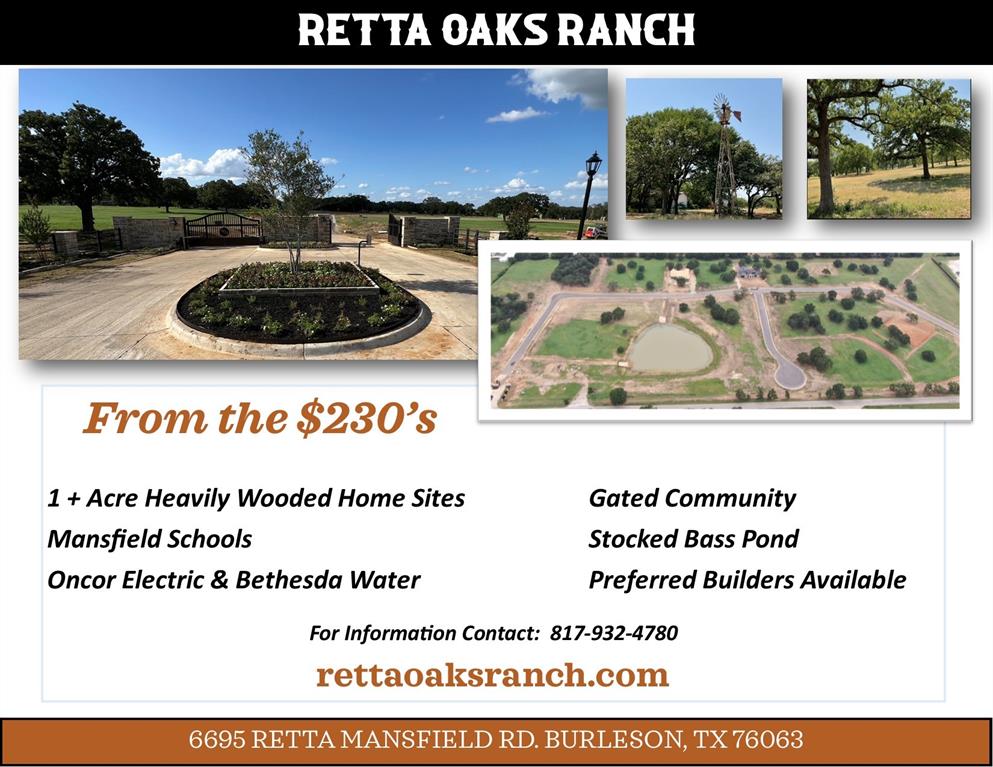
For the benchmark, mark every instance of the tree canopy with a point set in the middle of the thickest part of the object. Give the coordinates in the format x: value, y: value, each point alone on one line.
x: 81, y: 155
x: 672, y: 153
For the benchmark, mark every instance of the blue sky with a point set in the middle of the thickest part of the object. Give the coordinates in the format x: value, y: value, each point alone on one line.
x: 467, y: 135
x: 963, y: 89
x: 760, y: 102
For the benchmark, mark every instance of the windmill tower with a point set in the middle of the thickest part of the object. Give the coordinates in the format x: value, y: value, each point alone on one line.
x: 725, y: 202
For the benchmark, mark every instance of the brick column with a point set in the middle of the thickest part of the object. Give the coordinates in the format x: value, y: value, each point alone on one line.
x: 408, y: 230
x: 66, y: 243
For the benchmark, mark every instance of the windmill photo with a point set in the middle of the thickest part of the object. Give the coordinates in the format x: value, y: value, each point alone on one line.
x: 725, y: 190
x: 685, y: 162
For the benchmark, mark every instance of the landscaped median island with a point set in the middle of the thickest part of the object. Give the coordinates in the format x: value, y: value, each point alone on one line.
x: 714, y: 329
x: 322, y: 301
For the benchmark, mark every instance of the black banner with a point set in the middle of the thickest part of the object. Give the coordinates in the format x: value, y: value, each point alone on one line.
x: 677, y: 33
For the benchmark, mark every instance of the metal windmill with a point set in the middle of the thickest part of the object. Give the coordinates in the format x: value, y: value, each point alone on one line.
x: 725, y: 191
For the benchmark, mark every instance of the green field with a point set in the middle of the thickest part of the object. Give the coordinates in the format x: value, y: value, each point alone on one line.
x: 944, y: 367
x: 654, y: 272
x: 69, y: 217
x: 497, y: 268
x: 898, y: 270
x: 899, y: 193
x: 705, y: 387
x: 499, y: 340
x: 862, y: 308
x: 937, y: 293
x: 361, y: 223
x: 585, y: 340
x: 877, y: 370
x: 523, y: 277
x: 558, y: 395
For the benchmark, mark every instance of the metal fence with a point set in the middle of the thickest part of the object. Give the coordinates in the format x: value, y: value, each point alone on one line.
x: 98, y: 242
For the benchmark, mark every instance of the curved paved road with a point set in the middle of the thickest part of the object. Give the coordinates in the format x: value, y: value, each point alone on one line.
x: 789, y: 375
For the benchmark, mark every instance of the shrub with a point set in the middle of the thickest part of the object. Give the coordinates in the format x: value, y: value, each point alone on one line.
x: 928, y: 356
x: 35, y: 226
x: 618, y: 396
x: 861, y: 357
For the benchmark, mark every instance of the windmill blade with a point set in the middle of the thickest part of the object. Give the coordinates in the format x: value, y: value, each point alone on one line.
x: 737, y: 114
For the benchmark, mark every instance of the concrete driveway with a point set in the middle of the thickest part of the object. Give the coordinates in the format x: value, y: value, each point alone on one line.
x: 118, y: 310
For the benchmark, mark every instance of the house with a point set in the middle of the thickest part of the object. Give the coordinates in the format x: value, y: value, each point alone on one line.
x: 749, y: 272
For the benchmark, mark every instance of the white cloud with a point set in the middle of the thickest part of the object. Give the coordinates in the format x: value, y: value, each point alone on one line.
x: 363, y: 185
x: 328, y: 161
x: 441, y: 183
x: 223, y: 163
x: 517, y: 185
x: 470, y: 169
x: 421, y: 191
x: 516, y: 115
x: 555, y: 85
x: 599, y: 181
x: 454, y: 193
x: 556, y: 193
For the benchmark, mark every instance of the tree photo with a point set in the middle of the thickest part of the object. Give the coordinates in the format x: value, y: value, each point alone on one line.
x: 880, y: 148
x: 704, y: 148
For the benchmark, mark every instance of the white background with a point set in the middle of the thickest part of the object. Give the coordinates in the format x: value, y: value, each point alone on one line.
x: 765, y: 453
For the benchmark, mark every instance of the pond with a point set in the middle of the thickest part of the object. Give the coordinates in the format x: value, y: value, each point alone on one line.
x: 670, y: 349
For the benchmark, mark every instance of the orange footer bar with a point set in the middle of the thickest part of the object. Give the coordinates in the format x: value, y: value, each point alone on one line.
x: 496, y: 741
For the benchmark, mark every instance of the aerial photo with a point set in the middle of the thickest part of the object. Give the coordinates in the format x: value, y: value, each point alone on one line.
x: 763, y: 330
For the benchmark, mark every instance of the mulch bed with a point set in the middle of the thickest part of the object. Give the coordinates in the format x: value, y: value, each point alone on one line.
x: 281, y: 319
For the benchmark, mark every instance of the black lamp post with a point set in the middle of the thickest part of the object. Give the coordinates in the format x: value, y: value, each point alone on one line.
x: 592, y: 166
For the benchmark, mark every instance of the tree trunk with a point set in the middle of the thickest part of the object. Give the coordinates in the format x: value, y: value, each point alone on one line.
x: 86, y: 211
x: 924, y: 165
x: 825, y: 207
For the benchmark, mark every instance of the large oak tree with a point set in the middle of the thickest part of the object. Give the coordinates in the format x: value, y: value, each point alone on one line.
x: 82, y: 155
x: 927, y: 118
x: 830, y: 105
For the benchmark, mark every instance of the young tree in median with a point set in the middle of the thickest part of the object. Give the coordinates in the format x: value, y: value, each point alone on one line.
x: 82, y: 155
x: 293, y: 180
x: 831, y: 104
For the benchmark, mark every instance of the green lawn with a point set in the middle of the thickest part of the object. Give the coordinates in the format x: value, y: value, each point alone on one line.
x: 877, y: 370
x: 937, y: 293
x: 69, y: 217
x: 497, y: 268
x: 499, y: 340
x: 523, y: 277
x: 783, y: 312
x: 585, y: 339
x: 654, y: 272
x: 558, y: 395
x: 706, y: 387
x: 945, y: 366
x: 547, y: 229
x: 898, y: 270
